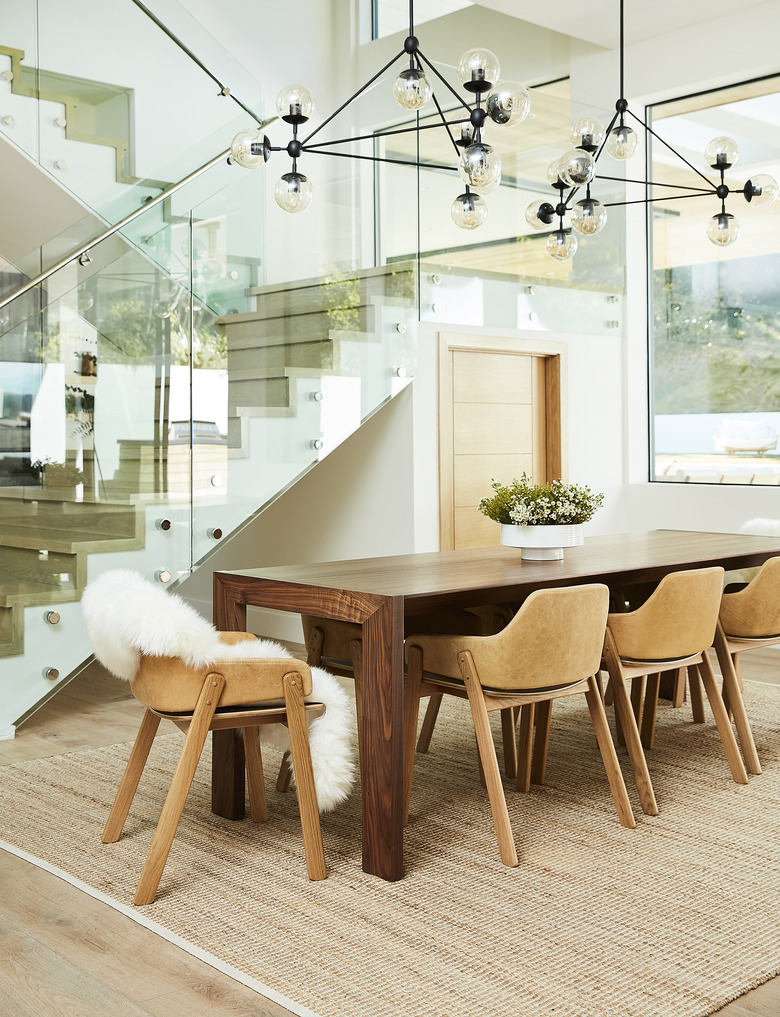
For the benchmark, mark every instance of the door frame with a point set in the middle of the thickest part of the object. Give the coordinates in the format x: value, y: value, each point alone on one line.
x: 554, y: 380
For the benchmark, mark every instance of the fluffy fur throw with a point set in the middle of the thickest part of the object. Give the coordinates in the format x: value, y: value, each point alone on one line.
x: 126, y: 616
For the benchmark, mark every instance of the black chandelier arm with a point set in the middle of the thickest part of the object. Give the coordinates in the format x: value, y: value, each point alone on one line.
x: 380, y: 158
x: 352, y: 98
x: 672, y: 150
x: 649, y: 201
x: 446, y: 123
x: 655, y: 183
x: 443, y: 80
x: 603, y: 144
x: 384, y: 134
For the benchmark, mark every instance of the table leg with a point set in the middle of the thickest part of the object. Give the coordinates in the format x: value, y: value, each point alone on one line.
x: 382, y: 740
x: 227, y: 763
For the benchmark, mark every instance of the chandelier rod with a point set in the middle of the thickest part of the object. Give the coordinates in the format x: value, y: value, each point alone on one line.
x: 379, y: 134
x: 352, y: 98
x: 443, y: 80
x: 379, y: 158
x: 656, y: 183
x: 672, y: 150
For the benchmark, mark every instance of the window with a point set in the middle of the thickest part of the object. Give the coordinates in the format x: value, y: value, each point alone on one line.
x: 715, y: 311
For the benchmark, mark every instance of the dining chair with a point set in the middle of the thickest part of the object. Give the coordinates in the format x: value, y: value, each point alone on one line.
x: 181, y: 669
x: 550, y: 649
x: 338, y: 645
x: 671, y: 631
x: 748, y: 620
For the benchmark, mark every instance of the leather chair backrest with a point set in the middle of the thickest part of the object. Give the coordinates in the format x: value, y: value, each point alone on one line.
x: 754, y: 613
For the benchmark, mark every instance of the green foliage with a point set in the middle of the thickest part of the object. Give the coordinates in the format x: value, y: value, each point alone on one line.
x: 527, y: 504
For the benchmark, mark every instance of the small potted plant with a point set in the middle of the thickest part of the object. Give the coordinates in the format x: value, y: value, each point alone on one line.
x: 541, y: 519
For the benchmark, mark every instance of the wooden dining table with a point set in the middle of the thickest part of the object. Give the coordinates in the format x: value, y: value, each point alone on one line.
x: 378, y: 593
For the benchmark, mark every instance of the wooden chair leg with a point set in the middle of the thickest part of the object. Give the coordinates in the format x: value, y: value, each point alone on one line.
x: 304, y: 776
x: 411, y: 714
x: 678, y: 691
x: 487, y: 755
x: 525, y: 736
x: 650, y: 709
x: 637, y: 695
x: 129, y: 783
x: 541, y: 741
x: 614, y: 776
x: 180, y: 786
x: 730, y: 747
x: 285, y: 773
x: 697, y: 703
x: 254, y: 775
x: 732, y: 695
x: 508, y: 724
x: 429, y: 722
x: 634, y: 747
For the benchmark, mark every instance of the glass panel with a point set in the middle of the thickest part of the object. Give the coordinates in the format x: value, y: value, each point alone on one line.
x: 500, y: 274
x: 93, y: 472
x: 716, y: 310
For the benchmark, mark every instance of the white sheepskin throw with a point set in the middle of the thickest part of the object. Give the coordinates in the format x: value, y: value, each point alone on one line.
x: 126, y: 616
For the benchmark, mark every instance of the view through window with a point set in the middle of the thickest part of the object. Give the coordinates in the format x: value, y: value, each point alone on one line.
x: 715, y: 311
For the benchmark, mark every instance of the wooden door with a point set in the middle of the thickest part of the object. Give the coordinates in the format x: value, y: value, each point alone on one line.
x: 500, y: 410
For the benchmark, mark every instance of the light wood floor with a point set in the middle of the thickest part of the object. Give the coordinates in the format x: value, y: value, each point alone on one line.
x: 64, y: 954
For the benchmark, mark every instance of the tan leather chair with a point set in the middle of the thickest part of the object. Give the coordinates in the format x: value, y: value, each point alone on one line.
x: 551, y: 648
x: 748, y: 620
x: 671, y: 631
x: 338, y: 645
x: 233, y: 693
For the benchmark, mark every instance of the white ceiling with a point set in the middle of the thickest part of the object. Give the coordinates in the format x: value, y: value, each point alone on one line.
x: 597, y: 21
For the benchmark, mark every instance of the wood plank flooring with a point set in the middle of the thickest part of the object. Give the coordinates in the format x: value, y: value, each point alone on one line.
x: 62, y: 953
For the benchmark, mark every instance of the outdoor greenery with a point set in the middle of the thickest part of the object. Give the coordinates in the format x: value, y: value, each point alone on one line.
x: 527, y: 504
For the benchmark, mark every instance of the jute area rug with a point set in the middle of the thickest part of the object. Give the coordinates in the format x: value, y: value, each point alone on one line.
x: 673, y: 919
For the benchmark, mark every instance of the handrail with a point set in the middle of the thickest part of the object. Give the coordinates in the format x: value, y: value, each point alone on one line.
x: 223, y: 89
x: 110, y: 232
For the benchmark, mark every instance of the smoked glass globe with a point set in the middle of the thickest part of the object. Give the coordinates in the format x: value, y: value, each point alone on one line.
x: 588, y: 217
x: 761, y: 190
x: 508, y: 103
x: 561, y: 245
x: 587, y: 132
x: 621, y: 143
x: 724, y: 229
x: 478, y: 70
x: 721, y: 153
x: 533, y: 218
x: 241, y: 149
x: 295, y: 104
x: 480, y: 168
x: 577, y: 167
x: 293, y: 192
x: 412, y: 89
x: 469, y: 210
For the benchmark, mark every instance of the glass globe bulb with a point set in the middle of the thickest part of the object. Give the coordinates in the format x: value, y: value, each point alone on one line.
x: 241, y: 149
x: 293, y: 192
x: 723, y: 229
x: 478, y: 70
x: 554, y: 173
x: 412, y: 89
x: 761, y: 190
x: 295, y: 104
x: 587, y: 132
x: 480, y: 167
x: 721, y: 153
x: 621, y: 143
x: 508, y: 103
x: 588, y: 217
x: 577, y: 167
x: 469, y: 210
x: 468, y: 135
x: 561, y: 245
x: 533, y: 217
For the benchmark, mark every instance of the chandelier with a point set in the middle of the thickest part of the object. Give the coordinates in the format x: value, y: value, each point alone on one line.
x: 505, y: 103
x: 577, y: 169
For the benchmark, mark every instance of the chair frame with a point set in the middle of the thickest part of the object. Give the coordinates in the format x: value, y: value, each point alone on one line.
x: 196, y: 724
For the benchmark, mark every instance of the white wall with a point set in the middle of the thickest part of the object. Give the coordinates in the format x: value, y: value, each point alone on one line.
x: 357, y: 503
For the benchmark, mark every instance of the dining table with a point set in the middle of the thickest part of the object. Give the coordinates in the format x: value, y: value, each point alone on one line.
x: 379, y: 593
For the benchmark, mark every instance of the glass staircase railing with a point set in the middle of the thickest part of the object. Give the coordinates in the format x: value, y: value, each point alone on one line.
x: 157, y: 396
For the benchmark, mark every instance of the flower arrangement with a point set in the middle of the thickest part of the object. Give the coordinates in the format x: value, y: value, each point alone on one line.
x: 524, y: 503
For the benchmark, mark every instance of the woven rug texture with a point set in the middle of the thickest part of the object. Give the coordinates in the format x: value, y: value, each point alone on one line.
x: 672, y: 919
